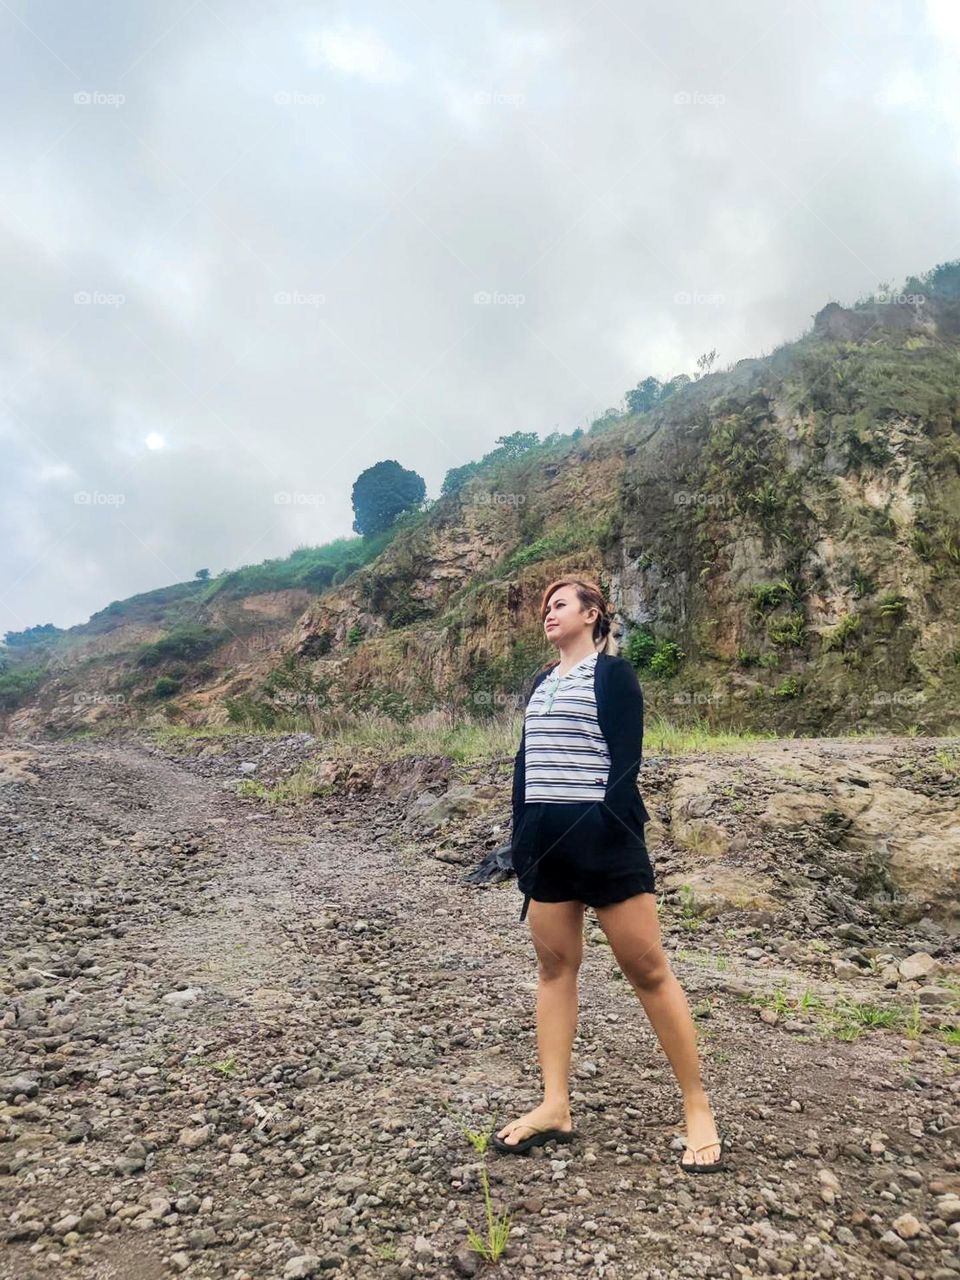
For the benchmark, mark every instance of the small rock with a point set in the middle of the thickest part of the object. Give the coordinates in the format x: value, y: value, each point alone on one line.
x: 307, y: 1264
x: 935, y: 995
x: 891, y: 1243
x: 185, y: 996
x: 920, y: 965
x: 193, y: 1138
x: 907, y: 1226
x: 27, y: 1085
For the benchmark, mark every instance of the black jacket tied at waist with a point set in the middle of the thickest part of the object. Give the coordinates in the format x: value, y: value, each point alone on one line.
x: 620, y: 717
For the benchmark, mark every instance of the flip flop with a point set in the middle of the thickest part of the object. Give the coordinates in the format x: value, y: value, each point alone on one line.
x: 536, y: 1139
x: 714, y: 1167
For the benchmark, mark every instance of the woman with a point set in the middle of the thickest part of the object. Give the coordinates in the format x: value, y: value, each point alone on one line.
x: 578, y: 841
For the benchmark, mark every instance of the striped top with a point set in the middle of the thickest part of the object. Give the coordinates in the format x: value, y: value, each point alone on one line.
x: 566, y: 756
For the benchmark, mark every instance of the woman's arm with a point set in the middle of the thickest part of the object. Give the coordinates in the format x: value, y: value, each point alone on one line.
x: 519, y: 782
x: 519, y: 770
x: 624, y: 713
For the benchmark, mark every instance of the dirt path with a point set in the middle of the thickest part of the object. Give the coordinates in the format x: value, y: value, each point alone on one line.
x: 240, y: 1045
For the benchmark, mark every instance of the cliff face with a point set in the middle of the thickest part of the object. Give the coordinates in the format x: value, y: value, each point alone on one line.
x: 787, y: 533
x: 792, y: 525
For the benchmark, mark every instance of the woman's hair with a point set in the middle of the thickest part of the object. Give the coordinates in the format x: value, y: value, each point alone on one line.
x: 590, y: 597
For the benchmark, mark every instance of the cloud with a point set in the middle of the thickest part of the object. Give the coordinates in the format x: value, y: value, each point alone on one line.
x: 279, y: 233
x: 356, y: 51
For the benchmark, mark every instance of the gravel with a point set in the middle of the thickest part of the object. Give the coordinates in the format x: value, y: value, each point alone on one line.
x: 243, y: 1043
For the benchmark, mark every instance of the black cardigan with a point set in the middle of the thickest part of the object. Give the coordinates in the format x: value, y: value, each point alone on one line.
x: 620, y: 716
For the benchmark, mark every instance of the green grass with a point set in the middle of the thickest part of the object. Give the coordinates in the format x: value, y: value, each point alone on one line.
x: 662, y: 737
x: 444, y: 732
x: 846, y: 1019
x: 469, y: 741
x: 433, y: 733
x: 498, y: 1230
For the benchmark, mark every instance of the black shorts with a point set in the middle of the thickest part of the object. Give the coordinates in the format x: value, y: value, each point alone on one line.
x: 567, y: 852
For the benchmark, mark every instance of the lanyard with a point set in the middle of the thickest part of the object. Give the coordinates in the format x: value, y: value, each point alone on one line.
x: 549, y: 697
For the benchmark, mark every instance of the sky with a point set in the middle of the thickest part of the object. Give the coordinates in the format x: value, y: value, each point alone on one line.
x: 249, y: 250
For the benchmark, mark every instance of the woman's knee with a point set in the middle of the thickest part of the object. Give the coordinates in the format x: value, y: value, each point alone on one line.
x: 554, y: 966
x: 648, y: 971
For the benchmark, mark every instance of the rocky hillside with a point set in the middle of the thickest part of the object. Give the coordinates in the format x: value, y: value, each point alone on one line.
x: 781, y: 541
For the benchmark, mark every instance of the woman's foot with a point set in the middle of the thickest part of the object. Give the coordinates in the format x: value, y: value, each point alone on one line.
x: 546, y: 1116
x: 701, y: 1132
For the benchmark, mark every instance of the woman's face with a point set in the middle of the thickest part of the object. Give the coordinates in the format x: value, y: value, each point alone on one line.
x: 565, y: 619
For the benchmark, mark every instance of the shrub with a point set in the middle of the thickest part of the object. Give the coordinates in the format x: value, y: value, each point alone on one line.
x: 891, y: 604
x: 494, y: 682
x: 766, y: 596
x: 185, y: 643
x: 788, y: 632
x: 551, y: 544
x: 354, y: 635
x: 407, y: 611
x: 667, y: 659
x: 166, y: 687
x: 388, y: 702
x: 862, y: 583
x: 246, y: 711
x: 842, y: 634
x: 344, y: 572
x: 292, y: 685
x: 639, y: 647
x: 17, y: 684
x: 789, y: 687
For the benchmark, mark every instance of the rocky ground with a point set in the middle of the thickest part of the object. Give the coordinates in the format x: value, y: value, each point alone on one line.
x: 246, y: 1042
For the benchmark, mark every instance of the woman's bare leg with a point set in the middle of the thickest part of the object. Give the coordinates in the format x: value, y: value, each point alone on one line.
x: 557, y: 932
x: 633, y: 930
